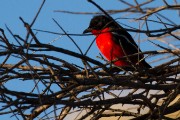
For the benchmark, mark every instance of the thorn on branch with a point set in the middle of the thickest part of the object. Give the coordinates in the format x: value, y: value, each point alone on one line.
x: 30, y: 30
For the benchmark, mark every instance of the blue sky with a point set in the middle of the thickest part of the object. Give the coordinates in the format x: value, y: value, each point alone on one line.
x: 10, y: 11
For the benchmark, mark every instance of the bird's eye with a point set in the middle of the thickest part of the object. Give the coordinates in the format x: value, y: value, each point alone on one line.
x: 99, y: 24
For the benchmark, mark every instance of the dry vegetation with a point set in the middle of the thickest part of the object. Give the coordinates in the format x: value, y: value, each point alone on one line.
x: 92, y: 91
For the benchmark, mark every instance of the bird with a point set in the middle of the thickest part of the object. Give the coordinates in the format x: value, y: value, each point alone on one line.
x: 115, y: 43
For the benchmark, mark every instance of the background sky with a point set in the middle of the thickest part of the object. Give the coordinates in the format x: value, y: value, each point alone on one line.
x: 11, y: 10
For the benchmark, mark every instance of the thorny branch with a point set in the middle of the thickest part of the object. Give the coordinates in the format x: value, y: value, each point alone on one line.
x: 89, y: 91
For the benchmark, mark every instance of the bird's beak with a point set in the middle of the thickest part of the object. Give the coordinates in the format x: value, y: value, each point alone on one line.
x: 87, y: 30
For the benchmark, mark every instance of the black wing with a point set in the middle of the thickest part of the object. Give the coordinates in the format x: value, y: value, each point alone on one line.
x: 124, y: 39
